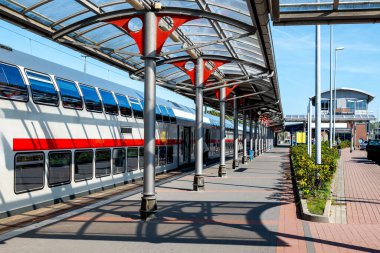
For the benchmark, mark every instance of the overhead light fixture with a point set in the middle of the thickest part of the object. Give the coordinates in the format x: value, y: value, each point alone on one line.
x: 157, y: 5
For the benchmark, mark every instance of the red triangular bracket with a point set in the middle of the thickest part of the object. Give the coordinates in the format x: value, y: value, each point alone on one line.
x: 162, y: 35
x: 228, y: 91
x: 189, y: 72
x: 206, y: 72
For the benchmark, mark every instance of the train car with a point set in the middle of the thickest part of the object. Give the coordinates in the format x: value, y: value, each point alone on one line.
x: 65, y: 133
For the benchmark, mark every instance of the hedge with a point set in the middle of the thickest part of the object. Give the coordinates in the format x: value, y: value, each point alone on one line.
x: 312, y: 179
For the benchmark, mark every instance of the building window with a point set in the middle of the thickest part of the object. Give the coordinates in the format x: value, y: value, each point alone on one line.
x: 59, y: 170
x: 325, y: 105
x: 29, y: 172
x: 132, y: 159
x: 351, y: 105
x: 118, y: 160
x: 361, y: 105
x: 83, y: 165
x: 102, y: 162
x: 12, y: 85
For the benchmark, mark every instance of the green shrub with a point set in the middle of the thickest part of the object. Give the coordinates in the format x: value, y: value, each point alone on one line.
x: 345, y: 144
x: 307, y: 172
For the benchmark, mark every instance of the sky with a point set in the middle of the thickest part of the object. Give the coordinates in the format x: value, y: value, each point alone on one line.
x: 358, y: 64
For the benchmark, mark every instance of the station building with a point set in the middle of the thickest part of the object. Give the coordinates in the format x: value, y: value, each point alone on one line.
x: 352, y: 114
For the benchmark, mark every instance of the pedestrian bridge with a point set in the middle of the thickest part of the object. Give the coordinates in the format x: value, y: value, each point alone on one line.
x: 326, y: 118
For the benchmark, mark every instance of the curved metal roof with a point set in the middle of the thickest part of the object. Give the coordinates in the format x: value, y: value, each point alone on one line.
x: 370, y: 96
x: 233, y: 31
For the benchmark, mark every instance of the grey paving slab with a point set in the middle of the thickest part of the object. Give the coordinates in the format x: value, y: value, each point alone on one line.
x: 239, y: 213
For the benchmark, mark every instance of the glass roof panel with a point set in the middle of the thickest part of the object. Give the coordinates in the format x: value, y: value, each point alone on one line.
x: 54, y: 10
x: 102, y: 33
x: 229, y: 13
x: 117, y: 7
x: 77, y: 18
x: 191, y: 4
x: 19, y: 5
x: 61, y: 14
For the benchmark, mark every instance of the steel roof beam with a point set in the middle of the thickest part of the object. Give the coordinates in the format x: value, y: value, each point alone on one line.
x: 208, y: 43
x: 167, y: 11
x: 329, y: 17
x: 90, y: 6
x: 35, y: 6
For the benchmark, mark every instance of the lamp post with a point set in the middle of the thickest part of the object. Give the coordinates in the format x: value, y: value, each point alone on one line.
x: 335, y: 103
x: 85, y: 63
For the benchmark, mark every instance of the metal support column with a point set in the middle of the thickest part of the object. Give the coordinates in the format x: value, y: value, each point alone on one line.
x: 318, y: 143
x: 352, y: 136
x: 261, y: 138
x: 235, y: 163
x: 222, y: 167
x: 256, y: 137
x: 244, y: 159
x: 331, y: 92
x: 149, y: 202
x: 198, y: 184
x: 309, y: 132
x: 250, y: 133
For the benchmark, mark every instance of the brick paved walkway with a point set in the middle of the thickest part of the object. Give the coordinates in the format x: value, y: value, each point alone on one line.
x: 252, y: 210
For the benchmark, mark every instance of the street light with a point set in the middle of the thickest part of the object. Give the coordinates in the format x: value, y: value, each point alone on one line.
x: 335, y: 103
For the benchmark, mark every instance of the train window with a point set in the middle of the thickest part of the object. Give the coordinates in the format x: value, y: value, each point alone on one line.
x: 162, y: 156
x: 118, y: 158
x: 109, y: 102
x: 141, y: 158
x: 91, y: 98
x: 59, y: 170
x: 137, y: 109
x: 165, y: 114
x: 29, y: 171
x: 173, y: 118
x: 102, y: 162
x: 132, y: 159
x: 156, y: 156
x: 69, y: 94
x: 158, y: 114
x: 12, y: 85
x: 170, y: 158
x: 125, y: 108
x: 43, y: 91
x: 83, y: 165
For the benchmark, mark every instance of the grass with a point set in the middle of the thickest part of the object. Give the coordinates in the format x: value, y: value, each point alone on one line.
x: 317, y: 203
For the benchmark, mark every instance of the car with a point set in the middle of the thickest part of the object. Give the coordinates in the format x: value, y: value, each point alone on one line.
x: 363, y: 145
x: 373, y: 150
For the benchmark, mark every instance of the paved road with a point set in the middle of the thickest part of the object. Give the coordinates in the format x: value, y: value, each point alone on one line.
x: 252, y: 210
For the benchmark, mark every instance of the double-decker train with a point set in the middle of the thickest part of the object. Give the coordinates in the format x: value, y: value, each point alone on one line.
x: 65, y: 133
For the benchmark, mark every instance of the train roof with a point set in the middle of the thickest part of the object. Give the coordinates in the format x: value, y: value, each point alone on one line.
x: 38, y: 64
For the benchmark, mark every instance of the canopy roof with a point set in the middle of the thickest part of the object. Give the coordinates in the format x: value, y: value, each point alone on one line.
x: 308, y: 12
x: 233, y: 32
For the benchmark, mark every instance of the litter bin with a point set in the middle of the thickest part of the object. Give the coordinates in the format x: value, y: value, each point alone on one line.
x: 251, y: 153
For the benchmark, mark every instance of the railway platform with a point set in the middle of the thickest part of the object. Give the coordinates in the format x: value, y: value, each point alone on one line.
x: 251, y: 210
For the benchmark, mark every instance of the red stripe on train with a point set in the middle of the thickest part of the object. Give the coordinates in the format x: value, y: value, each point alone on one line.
x: 23, y: 144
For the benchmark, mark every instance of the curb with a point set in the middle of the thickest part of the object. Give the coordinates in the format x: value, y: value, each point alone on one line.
x: 305, y: 214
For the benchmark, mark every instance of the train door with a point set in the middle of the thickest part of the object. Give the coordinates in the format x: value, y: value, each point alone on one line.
x: 186, y: 144
x: 207, y: 149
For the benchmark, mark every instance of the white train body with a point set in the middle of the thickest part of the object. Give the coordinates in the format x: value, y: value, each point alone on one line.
x: 46, y: 149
